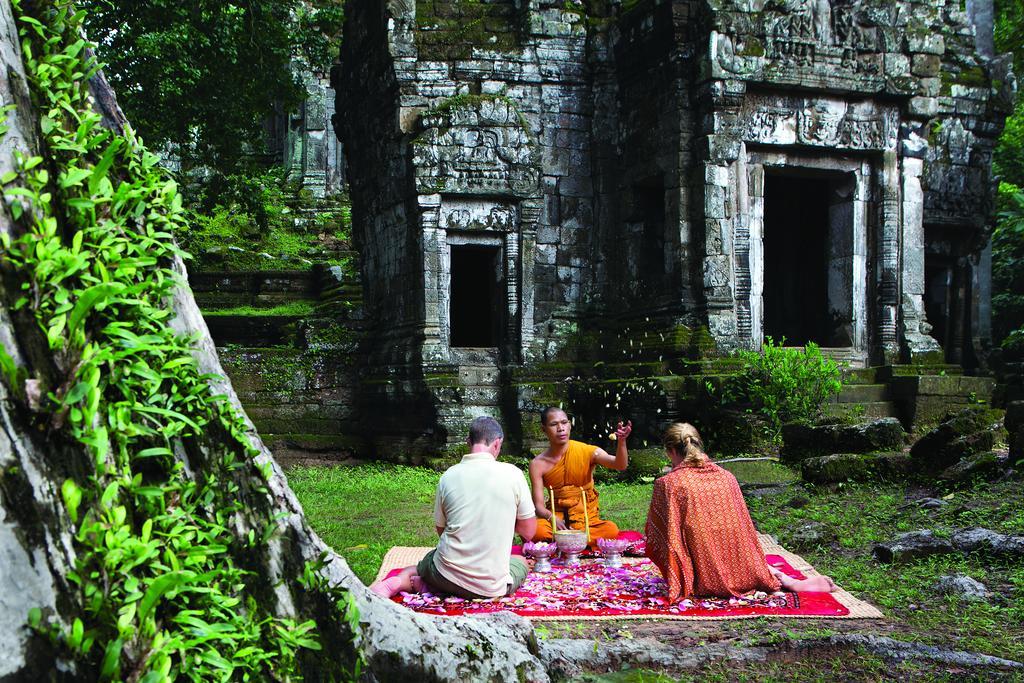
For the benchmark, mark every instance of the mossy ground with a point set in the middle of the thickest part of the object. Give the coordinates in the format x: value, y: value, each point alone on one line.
x: 362, y: 511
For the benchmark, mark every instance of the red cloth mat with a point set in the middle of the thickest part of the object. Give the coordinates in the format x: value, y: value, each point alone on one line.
x: 635, y: 590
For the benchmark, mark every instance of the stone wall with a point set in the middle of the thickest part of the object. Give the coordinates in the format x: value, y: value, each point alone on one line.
x: 288, y: 340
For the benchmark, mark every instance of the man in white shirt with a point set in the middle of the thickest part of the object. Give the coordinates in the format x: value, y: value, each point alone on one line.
x: 480, y: 504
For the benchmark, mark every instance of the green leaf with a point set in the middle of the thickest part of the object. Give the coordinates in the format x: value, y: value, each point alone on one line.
x: 109, y: 493
x: 160, y: 586
x: 90, y: 298
x: 72, y: 498
x: 77, y: 393
x: 75, y: 637
x: 111, y: 659
x: 74, y: 176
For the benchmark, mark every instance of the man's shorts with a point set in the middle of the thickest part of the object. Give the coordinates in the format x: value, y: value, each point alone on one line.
x: 432, y: 577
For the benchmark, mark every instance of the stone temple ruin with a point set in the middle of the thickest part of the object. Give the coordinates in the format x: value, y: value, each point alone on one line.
x: 590, y: 202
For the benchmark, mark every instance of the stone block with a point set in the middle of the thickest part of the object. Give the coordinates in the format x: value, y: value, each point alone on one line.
x: 801, y: 441
x: 925, y: 65
x: 923, y: 106
x: 721, y: 148
x: 988, y: 541
x: 974, y: 466
x: 1014, y: 419
x: 546, y: 254
x: 911, y: 545
x: 962, y: 586
x: 960, y: 435
x: 926, y: 42
x: 855, y: 467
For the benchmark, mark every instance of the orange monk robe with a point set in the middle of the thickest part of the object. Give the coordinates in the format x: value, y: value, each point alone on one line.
x: 701, y: 537
x: 569, y: 477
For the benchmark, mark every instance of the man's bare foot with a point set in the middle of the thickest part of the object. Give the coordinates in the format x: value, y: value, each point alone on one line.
x: 386, y: 588
x: 417, y: 584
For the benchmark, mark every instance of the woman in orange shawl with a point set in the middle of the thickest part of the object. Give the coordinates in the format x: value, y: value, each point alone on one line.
x: 566, y: 470
x: 699, y: 532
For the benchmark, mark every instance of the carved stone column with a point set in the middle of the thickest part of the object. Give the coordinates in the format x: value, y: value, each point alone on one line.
x: 889, y: 258
x: 436, y: 265
x: 917, y: 344
x: 529, y: 214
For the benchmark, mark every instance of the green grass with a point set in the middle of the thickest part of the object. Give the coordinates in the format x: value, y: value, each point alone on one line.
x: 861, y: 516
x: 362, y: 511
x: 296, y: 308
x: 761, y: 472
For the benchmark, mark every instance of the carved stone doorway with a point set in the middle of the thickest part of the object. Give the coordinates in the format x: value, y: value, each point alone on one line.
x: 810, y: 257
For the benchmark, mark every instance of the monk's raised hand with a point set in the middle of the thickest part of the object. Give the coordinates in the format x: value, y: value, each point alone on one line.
x: 622, y: 431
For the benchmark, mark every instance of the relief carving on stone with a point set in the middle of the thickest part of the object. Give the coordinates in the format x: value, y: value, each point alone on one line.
x: 819, y: 122
x: 823, y: 34
x: 476, y: 148
x: 459, y: 214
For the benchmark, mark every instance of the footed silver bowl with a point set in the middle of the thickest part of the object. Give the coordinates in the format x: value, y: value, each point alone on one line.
x: 571, y: 543
x: 541, y: 553
x: 611, y: 550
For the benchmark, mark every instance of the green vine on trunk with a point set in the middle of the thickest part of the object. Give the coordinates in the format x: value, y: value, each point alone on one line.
x: 159, y: 569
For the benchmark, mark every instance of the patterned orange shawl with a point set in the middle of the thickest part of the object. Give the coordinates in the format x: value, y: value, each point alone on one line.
x: 700, y: 535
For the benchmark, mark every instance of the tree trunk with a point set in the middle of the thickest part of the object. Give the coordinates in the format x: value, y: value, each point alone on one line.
x: 37, y: 546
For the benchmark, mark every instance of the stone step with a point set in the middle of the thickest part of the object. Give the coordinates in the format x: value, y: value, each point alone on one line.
x: 843, y: 355
x: 979, y: 388
x: 852, y: 376
x: 255, y: 330
x: 887, y: 372
x: 862, y: 393
x: 862, y: 411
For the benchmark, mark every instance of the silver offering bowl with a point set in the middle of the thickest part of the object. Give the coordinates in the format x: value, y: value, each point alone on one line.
x: 611, y: 550
x: 571, y: 543
x: 541, y: 553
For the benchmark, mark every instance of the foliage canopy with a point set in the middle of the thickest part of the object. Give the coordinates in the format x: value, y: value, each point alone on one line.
x: 203, y: 75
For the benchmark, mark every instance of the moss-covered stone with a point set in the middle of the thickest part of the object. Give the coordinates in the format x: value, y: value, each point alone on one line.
x: 974, y: 466
x: 802, y: 441
x: 451, y: 29
x: 961, y: 434
x: 839, y: 467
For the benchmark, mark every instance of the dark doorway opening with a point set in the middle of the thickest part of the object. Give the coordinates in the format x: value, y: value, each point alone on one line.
x: 946, y: 288
x: 795, y: 276
x: 938, y: 287
x: 475, y: 313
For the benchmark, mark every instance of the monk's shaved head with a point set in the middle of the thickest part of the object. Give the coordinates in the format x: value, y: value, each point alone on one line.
x: 546, y: 413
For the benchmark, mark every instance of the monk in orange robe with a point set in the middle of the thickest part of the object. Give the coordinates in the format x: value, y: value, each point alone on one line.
x: 566, y: 467
x: 699, y: 532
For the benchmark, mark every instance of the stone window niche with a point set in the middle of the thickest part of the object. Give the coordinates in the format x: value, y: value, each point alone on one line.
x: 476, y: 296
x: 807, y: 257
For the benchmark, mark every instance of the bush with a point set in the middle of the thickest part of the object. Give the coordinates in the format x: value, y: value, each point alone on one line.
x: 1008, y: 270
x: 785, y: 384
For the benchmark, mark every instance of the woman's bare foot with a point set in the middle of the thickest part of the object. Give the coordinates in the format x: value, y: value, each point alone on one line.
x: 813, y: 584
